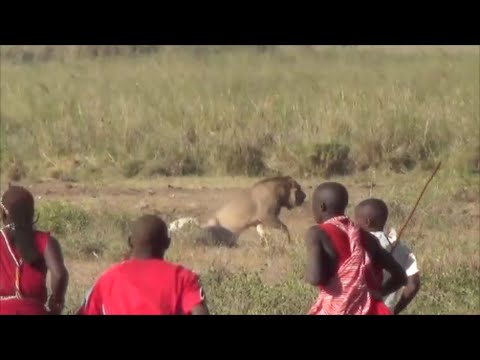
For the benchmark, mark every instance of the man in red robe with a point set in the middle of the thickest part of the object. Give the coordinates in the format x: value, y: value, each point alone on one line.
x: 26, y: 255
x: 146, y: 284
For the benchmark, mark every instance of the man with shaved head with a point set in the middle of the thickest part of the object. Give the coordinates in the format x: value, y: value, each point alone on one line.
x: 340, y: 256
x: 146, y: 284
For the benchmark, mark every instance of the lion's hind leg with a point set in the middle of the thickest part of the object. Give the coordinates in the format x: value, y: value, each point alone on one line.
x: 264, y: 234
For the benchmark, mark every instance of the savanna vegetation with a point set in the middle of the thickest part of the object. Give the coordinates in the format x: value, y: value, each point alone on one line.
x: 376, y: 118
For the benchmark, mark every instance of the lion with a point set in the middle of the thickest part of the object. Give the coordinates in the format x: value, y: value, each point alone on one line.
x: 260, y: 206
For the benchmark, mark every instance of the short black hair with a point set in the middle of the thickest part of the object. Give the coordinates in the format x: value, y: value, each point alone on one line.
x: 149, y: 231
x: 334, y: 194
x: 378, y: 209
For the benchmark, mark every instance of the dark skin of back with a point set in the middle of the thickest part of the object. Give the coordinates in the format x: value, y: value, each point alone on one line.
x: 322, y: 261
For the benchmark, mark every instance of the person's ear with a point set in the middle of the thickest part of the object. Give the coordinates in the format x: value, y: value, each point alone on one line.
x: 323, y: 206
x: 368, y: 222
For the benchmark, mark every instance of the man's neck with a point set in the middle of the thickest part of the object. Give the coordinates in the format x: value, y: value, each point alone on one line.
x: 7, y: 231
x: 327, y: 217
x: 145, y: 256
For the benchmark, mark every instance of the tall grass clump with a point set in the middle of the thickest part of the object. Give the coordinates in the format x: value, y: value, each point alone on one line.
x: 177, y: 111
x: 84, y: 234
x: 61, y: 218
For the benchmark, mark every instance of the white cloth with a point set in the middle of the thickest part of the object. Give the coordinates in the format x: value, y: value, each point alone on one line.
x: 180, y: 223
x: 403, y: 255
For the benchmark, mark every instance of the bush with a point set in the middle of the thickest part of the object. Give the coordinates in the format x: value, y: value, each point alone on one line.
x: 61, y: 218
x: 132, y: 168
x: 85, y: 235
x: 241, y: 160
x: 331, y: 159
x: 17, y: 170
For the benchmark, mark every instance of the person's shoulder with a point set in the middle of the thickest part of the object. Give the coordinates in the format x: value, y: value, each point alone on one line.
x: 43, y: 235
x: 111, y: 271
x: 117, y: 266
x: 318, y: 231
x: 42, y: 238
x: 181, y: 270
x: 185, y: 270
x: 371, y: 243
x: 369, y: 238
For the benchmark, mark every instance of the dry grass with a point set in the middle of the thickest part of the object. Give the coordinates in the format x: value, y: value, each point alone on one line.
x: 108, y: 128
x: 201, y: 111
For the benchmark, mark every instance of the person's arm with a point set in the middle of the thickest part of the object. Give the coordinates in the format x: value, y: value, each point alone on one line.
x: 379, y: 255
x: 193, y: 297
x: 322, y: 259
x: 200, y: 309
x: 413, y: 283
x: 58, y: 275
x: 409, y: 293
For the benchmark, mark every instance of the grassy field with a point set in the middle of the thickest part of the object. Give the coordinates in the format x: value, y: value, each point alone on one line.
x: 99, y: 132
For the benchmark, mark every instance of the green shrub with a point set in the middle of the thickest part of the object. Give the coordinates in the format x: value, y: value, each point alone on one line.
x: 62, y: 218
